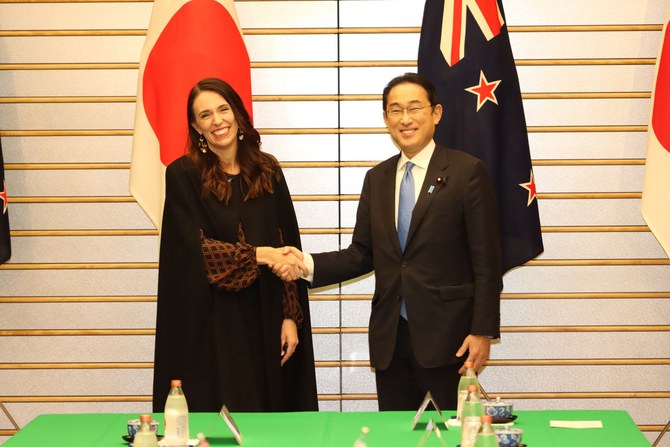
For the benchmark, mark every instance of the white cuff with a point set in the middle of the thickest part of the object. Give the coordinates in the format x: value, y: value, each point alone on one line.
x: 309, y: 263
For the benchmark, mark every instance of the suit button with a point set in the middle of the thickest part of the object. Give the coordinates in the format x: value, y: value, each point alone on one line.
x: 404, y: 264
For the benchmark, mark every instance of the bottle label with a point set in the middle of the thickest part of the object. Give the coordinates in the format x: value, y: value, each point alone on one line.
x: 176, y: 428
x: 181, y: 427
x: 462, y: 394
x: 469, y: 428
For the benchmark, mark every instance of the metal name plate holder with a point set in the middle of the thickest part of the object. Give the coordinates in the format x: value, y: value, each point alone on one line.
x: 228, y: 419
x: 426, y: 400
x: 431, y: 428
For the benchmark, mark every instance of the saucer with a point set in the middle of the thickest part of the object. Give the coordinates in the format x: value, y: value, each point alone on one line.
x: 504, y: 420
x: 520, y: 445
x: 129, y: 438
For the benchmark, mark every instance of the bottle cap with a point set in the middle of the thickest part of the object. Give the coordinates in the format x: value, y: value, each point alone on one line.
x: 145, y: 418
x: 472, y: 388
x: 487, y: 418
x: 175, y: 382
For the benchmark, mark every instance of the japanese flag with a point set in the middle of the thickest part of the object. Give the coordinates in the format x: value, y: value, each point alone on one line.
x: 656, y: 192
x: 186, y: 42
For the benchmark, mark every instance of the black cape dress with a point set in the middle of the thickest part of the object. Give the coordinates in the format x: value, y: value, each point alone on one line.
x: 225, y: 346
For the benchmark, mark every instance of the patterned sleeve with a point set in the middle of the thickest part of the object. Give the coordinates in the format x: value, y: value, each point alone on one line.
x: 231, y: 267
x: 290, y: 303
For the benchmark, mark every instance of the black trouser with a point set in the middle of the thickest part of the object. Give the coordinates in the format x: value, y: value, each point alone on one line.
x: 403, y: 385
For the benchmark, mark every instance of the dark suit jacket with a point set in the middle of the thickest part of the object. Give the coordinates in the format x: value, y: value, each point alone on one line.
x: 450, y: 272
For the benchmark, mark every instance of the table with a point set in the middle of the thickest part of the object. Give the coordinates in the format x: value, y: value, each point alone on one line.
x: 328, y: 429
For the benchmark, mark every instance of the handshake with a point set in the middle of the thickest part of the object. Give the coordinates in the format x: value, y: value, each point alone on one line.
x: 285, y: 262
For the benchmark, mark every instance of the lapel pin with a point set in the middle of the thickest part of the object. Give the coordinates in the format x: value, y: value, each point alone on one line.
x: 430, y: 190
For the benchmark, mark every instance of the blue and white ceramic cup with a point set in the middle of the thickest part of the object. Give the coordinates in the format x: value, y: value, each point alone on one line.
x: 134, y: 426
x: 498, y: 409
x: 509, y: 437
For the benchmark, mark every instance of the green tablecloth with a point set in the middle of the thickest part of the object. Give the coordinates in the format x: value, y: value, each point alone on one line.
x: 327, y: 429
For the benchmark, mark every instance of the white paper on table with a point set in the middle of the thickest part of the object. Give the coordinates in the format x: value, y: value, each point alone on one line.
x: 576, y: 424
x: 191, y: 443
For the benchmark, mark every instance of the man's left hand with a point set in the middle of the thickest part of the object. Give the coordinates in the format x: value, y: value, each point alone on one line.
x: 478, y: 348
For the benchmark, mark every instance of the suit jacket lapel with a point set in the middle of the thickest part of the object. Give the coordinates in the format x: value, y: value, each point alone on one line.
x: 436, y: 179
x: 388, y: 205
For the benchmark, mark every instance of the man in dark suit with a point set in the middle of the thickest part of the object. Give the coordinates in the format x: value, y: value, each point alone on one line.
x: 437, y: 293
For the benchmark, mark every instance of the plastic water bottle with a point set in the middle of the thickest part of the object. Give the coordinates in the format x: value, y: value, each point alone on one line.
x: 176, y: 416
x: 202, y: 441
x: 145, y: 436
x: 360, y: 441
x: 471, y: 420
x: 468, y: 378
x: 486, y: 437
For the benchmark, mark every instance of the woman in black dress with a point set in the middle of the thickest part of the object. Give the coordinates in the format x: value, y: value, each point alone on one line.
x: 226, y: 326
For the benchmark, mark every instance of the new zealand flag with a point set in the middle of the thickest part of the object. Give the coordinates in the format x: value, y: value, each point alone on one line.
x: 5, y: 248
x: 465, y: 51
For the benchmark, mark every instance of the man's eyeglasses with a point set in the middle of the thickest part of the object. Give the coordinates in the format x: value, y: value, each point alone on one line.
x: 397, y: 112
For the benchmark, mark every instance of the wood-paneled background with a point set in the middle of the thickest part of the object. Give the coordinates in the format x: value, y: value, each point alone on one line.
x: 586, y: 325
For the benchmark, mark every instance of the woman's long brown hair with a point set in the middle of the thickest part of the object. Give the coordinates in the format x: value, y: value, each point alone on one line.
x: 257, y: 168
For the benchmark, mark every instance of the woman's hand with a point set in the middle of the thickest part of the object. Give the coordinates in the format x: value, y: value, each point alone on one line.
x: 286, y: 262
x: 289, y: 339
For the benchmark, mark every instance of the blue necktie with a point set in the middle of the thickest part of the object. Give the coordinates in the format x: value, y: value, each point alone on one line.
x: 405, y: 204
x: 405, y: 208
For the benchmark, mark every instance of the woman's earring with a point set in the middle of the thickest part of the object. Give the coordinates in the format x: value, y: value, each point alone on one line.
x: 203, y: 144
x: 240, y: 134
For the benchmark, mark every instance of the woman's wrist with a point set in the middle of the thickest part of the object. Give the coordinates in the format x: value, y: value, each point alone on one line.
x: 263, y: 255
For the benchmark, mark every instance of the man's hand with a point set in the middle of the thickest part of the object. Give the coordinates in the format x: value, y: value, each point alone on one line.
x: 291, y: 266
x: 285, y: 262
x: 479, y: 349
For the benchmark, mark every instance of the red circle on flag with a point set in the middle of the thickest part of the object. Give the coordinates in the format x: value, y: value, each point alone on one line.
x: 660, y: 114
x: 201, y: 40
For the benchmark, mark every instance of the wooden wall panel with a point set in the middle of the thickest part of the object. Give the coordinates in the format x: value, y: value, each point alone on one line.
x: 584, y: 326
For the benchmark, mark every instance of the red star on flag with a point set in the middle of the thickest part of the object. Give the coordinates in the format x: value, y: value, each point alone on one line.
x: 3, y: 197
x: 484, y: 91
x: 530, y: 186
